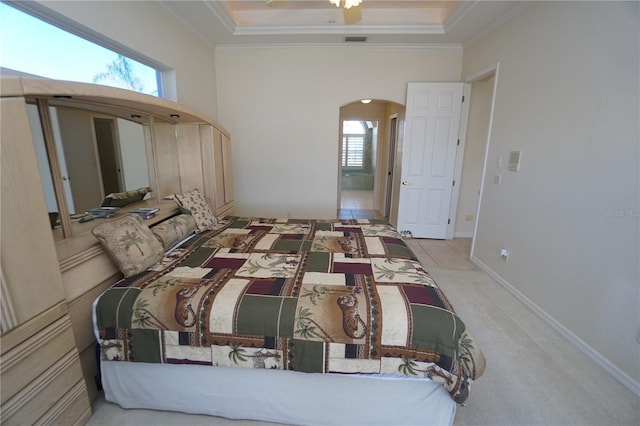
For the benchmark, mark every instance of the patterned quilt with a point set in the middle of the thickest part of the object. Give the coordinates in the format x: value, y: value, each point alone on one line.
x: 315, y: 296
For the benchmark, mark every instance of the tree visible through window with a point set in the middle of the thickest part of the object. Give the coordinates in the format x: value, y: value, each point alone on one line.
x: 122, y: 73
x: 353, y: 133
x: 35, y: 47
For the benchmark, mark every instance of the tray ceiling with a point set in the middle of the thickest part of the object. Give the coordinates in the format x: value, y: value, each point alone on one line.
x: 319, y: 22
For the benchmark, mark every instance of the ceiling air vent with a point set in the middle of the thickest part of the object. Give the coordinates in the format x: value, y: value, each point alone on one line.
x: 355, y: 39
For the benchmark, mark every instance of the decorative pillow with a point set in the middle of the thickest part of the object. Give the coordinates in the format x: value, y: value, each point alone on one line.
x: 130, y: 243
x: 199, y: 209
x: 121, y: 199
x: 175, y: 229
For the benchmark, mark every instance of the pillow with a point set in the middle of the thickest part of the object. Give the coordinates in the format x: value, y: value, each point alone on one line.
x: 199, y: 209
x: 173, y: 230
x: 130, y: 243
x: 121, y: 199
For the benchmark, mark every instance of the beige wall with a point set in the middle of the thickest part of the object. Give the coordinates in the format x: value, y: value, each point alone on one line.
x: 146, y: 29
x: 567, y: 96
x: 282, y: 107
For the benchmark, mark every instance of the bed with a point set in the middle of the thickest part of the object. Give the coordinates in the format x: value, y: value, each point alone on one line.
x: 295, y: 321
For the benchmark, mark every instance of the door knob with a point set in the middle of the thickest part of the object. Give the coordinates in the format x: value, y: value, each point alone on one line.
x: 405, y: 182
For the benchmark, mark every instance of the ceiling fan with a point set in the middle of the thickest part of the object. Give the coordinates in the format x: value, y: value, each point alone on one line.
x: 350, y: 9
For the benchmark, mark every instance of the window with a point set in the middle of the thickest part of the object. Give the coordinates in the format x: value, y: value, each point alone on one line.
x: 35, y: 47
x: 353, y: 144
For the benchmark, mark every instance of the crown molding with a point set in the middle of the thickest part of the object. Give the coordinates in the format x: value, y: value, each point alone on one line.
x: 342, y: 46
x: 333, y: 29
x: 222, y: 14
x: 458, y: 14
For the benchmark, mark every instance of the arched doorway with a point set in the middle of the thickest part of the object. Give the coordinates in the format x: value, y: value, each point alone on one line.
x: 367, y: 144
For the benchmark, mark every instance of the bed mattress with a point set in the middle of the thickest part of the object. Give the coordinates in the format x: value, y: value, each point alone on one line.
x: 286, y: 397
x: 307, y: 296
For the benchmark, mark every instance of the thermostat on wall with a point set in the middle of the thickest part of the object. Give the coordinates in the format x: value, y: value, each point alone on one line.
x: 514, y: 161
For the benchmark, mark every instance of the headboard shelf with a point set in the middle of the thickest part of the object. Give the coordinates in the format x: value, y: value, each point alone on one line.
x: 84, y: 245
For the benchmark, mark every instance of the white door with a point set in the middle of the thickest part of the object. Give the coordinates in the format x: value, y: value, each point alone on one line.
x: 79, y: 148
x: 43, y: 162
x: 428, y: 158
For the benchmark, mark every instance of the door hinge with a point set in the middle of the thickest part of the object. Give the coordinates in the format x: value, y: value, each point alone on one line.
x: 454, y: 183
x: 448, y: 221
x: 462, y: 98
x: 458, y: 142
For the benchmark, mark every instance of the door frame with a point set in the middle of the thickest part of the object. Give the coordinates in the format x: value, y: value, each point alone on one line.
x: 457, y: 174
x: 480, y: 75
x: 390, y: 170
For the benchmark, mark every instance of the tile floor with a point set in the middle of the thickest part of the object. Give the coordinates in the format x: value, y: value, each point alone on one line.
x: 356, y: 199
x: 358, y: 214
x: 448, y: 254
x: 355, y: 204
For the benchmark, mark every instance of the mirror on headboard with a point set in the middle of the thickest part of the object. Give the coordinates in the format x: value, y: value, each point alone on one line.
x: 99, y: 150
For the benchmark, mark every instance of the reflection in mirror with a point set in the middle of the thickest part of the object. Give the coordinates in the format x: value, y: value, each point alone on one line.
x: 166, y: 151
x: 43, y: 164
x: 103, y: 154
x: 97, y: 154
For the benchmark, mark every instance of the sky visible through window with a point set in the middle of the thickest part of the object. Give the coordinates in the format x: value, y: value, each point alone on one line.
x: 30, y: 45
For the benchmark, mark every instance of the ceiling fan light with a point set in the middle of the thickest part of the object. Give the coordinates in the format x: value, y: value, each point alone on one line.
x: 365, y: 101
x: 335, y: 2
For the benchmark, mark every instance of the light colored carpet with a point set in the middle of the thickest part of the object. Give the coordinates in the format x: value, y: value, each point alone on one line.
x: 533, y: 376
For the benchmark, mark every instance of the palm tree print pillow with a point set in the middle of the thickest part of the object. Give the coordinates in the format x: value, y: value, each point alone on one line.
x: 199, y: 208
x: 173, y: 230
x: 130, y: 243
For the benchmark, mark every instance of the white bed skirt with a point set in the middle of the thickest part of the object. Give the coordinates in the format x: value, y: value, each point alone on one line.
x: 278, y: 396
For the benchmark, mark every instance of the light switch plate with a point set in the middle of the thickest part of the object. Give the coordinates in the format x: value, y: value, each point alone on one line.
x: 514, y: 161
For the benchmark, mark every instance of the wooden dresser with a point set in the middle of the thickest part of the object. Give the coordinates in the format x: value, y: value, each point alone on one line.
x: 42, y: 379
x: 52, y: 266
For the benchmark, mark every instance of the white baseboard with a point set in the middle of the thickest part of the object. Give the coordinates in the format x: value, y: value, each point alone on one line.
x: 595, y: 356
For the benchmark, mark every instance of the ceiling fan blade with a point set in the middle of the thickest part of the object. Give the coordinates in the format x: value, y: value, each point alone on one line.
x: 353, y: 15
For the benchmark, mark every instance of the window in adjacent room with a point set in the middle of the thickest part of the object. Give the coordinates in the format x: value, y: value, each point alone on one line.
x: 32, y: 46
x: 353, y: 135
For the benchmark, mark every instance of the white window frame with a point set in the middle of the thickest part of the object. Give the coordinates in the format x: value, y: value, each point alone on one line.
x: 356, y: 138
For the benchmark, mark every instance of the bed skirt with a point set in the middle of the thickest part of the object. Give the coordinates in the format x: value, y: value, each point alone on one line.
x: 278, y: 396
